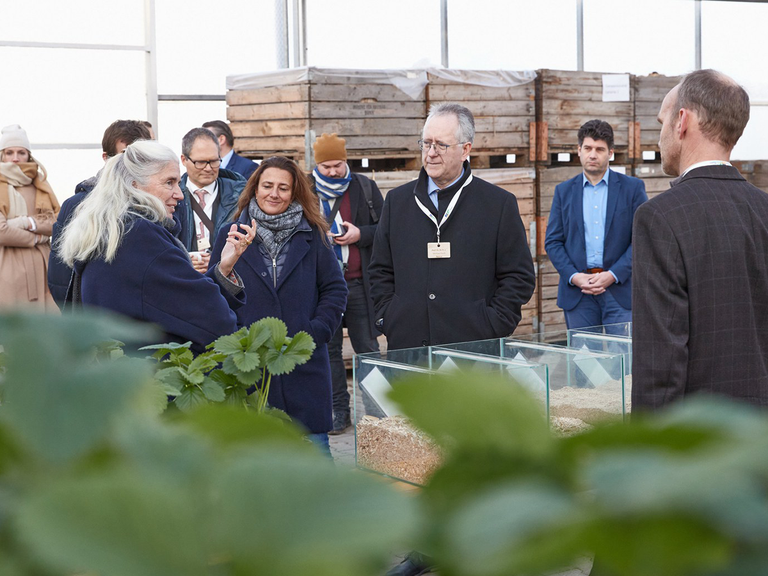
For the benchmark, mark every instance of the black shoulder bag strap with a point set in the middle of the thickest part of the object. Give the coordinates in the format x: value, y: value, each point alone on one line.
x: 201, y: 213
x: 368, y: 191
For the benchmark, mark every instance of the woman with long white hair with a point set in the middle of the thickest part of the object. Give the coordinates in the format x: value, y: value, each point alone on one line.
x: 126, y: 257
x: 28, y: 209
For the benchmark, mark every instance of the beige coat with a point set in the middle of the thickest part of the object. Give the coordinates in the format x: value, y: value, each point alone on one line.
x: 24, y: 264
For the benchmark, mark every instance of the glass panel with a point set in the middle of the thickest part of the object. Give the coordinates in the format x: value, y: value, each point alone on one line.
x: 200, y: 43
x: 639, y: 37
x: 611, y: 338
x: 81, y: 22
x: 511, y: 35
x: 66, y: 107
x: 177, y: 118
x: 392, y: 34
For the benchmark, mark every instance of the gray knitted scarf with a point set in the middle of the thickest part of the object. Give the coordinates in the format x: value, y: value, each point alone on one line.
x: 274, y: 230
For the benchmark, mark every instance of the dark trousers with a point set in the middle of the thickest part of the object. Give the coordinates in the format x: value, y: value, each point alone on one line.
x: 360, y: 334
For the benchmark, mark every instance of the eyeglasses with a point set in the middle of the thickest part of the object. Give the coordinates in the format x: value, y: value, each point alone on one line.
x: 438, y: 146
x: 201, y: 164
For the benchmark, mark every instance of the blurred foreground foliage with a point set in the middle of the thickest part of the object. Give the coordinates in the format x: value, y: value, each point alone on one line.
x: 94, y: 480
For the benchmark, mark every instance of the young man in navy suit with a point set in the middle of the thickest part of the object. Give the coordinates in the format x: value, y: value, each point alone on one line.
x: 589, y: 235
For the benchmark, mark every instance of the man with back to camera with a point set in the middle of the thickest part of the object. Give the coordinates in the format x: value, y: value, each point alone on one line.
x: 701, y: 257
x: 352, y: 204
x: 230, y: 160
x: 450, y: 261
x: 589, y: 235
x: 117, y: 137
x: 210, y: 194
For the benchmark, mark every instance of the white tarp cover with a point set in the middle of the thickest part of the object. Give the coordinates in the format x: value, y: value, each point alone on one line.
x: 411, y: 82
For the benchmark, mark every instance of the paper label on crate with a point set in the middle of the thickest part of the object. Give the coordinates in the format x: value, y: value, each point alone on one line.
x: 377, y: 387
x: 526, y: 375
x: 592, y: 368
x: 448, y: 366
x: 615, y: 87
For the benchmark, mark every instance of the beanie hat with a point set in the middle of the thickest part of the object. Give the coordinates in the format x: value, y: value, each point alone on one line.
x: 13, y: 135
x: 330, y: 147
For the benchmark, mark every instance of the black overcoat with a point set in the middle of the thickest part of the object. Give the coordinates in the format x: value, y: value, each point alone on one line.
x: 475, y: 294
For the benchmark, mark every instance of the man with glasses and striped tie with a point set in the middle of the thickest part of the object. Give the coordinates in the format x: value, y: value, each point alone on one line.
x: 210, y: 194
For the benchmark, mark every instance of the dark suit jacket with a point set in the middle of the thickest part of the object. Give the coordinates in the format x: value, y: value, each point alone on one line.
x: 242, y: 166
x: 565, y: 243
x: 700, y: 292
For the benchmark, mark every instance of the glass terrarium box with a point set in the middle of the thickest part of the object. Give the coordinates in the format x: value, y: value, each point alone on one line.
x: 576, y: 387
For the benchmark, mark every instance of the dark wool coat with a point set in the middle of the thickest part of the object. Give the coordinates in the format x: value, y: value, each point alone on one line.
x: 231, y: 184
x: 152, y: 279
x: 700, y: 292
x: 58, y: 272
x: 567, y: 248
x: 361, y: 217
x: 475, y: 294
x: 310, y: 295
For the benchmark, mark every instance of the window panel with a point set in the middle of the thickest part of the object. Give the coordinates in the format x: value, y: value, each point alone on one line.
x: 58, y: 106
x: 367, y: 34
x: 513, y: 35
x: 200, y: 43
x: 639, y: 36
x: 80, y: 22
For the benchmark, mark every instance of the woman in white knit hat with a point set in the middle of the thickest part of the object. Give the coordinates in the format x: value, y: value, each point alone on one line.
x: 28, y: 209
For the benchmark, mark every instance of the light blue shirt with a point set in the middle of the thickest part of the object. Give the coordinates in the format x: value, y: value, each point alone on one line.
x: 433, y: 189
x: 225, y: 160
x: 594, y: 207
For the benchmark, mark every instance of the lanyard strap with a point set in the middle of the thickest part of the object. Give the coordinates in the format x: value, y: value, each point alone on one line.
x: 448, y: 211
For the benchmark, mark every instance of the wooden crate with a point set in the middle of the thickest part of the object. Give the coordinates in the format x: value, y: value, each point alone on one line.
x: 377, y: 119
x: 649, y: 93
x: 503, y: 116
x: 564, y: 101
x: 654, y: 178
x: 755, y: 171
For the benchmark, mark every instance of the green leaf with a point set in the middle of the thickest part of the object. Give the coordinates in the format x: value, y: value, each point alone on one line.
x: 301, y: 343
x: 258, y: 334
x: 492, y: 532
x: 237, y: 427
x: 230, y: 344
x: 279, y: 363
x: 213, y: 391
x: 203, y: 362
x: 172, y: 378
x: 117, y: 524
x: 190, y: 399
x: 296, y: 495
x: 193, y: 376
x: 246, y: 361
x: 58, y: 404
x: 278, y: 331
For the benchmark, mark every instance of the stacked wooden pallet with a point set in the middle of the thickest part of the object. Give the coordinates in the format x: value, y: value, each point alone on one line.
x: 649, y: 94
x: 503, y: 115
x: 564, y: 101
x: 284, y: 113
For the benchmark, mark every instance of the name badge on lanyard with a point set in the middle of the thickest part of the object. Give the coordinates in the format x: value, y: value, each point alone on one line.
x: 441, y: 249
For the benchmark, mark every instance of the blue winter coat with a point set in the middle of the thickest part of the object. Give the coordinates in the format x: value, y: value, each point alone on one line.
x: 310, y: 295
x: 231, y: 184
x: 152, y: 279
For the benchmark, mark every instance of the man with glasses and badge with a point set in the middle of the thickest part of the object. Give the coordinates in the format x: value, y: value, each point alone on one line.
x: 450, y: 260
x: 210, y: 194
